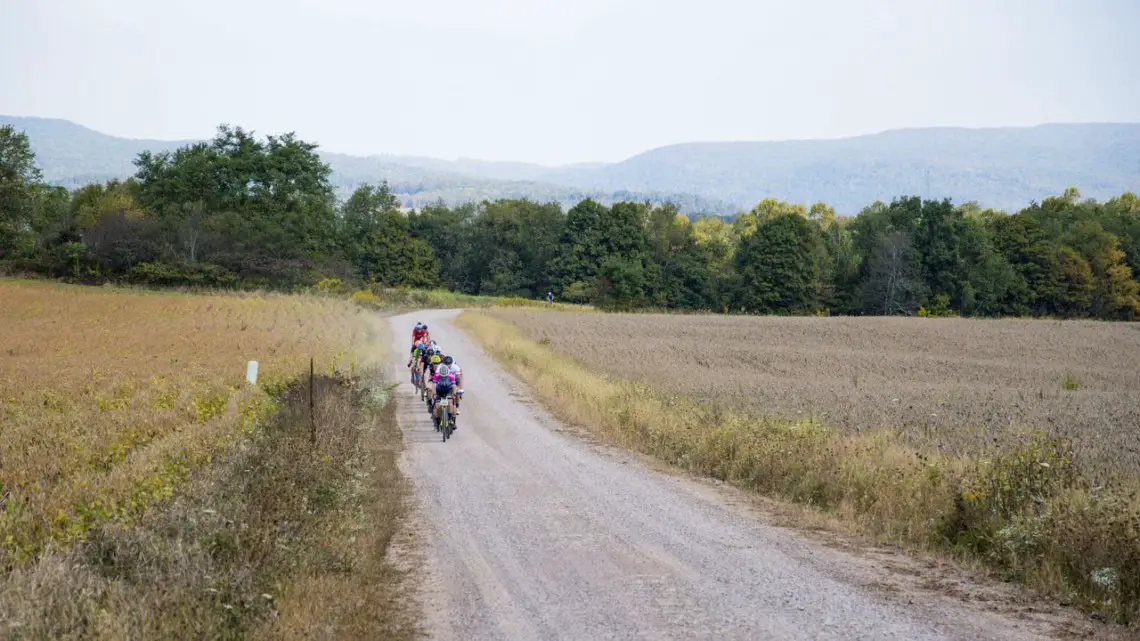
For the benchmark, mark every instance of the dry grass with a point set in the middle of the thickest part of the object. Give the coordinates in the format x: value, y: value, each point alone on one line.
x: 108, y: 397
x: 146, y: 492
x: 950, y: 386
x: 1023, y: 508
x: 278, y: 540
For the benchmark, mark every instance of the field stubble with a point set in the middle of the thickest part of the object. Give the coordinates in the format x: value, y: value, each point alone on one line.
x: 950, y: 386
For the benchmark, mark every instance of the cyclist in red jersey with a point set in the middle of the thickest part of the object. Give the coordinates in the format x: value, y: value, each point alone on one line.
x: 420, y: 332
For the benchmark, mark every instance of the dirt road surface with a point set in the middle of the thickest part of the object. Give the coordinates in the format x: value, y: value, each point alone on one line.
x: 529, y: 532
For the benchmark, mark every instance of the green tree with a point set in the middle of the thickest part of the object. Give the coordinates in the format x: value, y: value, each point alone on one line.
x: 823, y: 215
x: 766, y: 210
x: 18, y: 176
x: 377, y: 241
x: 1115, y: 293
x: 778, y: 267
x: 595, y: 235
x: 260, y: 207
x: 839, y: 277
x: 449, y: 231
x: 891, y: 276
x: 512, y: 245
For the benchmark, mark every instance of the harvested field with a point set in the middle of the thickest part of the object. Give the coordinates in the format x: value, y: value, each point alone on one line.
x: 147, y: 492
x: 108, y: 397
x: 954, y: 386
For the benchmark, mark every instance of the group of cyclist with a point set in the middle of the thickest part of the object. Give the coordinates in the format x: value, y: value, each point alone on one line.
x: 437, y: 372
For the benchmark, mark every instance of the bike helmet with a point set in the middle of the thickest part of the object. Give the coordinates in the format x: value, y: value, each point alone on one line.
x: 447, y: 360
x: 443, y: 370
x: 436, y: 360
x: 419, y: 325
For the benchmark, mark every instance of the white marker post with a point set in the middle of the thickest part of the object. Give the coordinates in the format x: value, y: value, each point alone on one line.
x: 251, y: 372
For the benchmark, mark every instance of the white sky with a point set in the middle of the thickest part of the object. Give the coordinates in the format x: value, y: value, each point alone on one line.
x: 556, y: 81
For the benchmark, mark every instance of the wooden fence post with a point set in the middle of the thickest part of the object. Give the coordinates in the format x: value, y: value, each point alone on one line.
x: 312, y: 416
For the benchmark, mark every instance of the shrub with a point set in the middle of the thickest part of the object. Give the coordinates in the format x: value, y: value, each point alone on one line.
x: 330, y: 286
x: 188, y: 274
x: 1070, y: 382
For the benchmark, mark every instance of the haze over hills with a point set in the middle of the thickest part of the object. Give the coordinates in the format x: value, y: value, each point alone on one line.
x: 1003, y: 168
x: 73, y: 155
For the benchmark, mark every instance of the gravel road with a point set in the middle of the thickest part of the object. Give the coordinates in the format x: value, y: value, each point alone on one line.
x: 529, y: 532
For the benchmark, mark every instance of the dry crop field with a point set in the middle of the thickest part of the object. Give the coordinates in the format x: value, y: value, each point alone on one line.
x: 954, y: 386
x: 109, y: 398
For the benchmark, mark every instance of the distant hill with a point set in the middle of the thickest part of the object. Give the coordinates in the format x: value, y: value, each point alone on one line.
x: 72, y: 155
x: 1002, y: 167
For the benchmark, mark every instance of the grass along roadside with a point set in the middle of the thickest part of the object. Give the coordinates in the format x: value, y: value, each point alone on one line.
x: 1025, y: 512
x: 278, y: 540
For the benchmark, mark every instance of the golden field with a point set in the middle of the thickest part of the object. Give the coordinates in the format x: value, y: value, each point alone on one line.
x: 146, y: 491
x: 951, y: 386
x: 107, y: 397
x: 1058, y: 514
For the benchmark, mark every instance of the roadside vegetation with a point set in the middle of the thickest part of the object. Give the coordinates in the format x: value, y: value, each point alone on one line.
x: 1055, y: 506
x: 147, y: 491
x: 402, y: 298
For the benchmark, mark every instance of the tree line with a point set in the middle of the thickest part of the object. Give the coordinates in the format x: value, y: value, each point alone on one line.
x: 247, y: 212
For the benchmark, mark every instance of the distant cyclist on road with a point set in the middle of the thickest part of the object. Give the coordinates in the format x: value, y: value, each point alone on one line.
x: 425, y: 357
x: 457, y: 372
x: 549, y: 298
x: 419, y: 333
x: 444, y: 381
x: 417, y: 351
x: 433, y: 363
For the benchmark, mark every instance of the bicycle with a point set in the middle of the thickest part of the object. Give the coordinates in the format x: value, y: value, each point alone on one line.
x: 445, y: 422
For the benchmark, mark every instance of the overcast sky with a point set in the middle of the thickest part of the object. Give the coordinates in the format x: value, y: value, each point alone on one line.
x: 558, y: 81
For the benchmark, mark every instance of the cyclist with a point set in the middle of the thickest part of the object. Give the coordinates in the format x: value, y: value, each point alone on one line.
x: 417, y: 360
x: 417, y: 349
x: 426, y: 352
x: 444, y: 381
x: 430, y: 375
x: 419, y: 332
x: 457, y: 372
